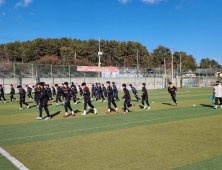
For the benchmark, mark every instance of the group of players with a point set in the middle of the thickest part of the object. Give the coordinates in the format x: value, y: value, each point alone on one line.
x: 43, y: 95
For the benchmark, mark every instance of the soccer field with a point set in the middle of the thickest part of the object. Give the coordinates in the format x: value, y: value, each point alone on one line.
x: 165, y: 137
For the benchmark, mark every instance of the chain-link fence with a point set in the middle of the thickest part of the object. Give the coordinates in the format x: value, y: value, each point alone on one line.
x: 157, y: 78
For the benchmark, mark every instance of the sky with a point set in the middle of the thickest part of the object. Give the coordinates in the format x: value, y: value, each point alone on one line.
x: 192, y: 26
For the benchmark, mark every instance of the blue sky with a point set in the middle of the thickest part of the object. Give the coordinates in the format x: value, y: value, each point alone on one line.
x: 193, y: 26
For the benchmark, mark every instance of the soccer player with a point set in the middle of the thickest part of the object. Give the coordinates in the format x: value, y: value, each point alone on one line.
x: 218, y: 94
x: 135, y: 92
x: 67, y: 93
x: 110, y: 98
x: 49, y: 92
x: 53, y: 91
x: 145, y: 96
x: 127, y: 99
x: 43, y: 97
x: 38, y: 93
x: 97, y: 92
x: 172, y: 91
x: 115, y: 91
x: 22, y: 94
x: 74, y: 93
x: 58, y: 94
x: 104, y: 91
x: 29, y: 91
x: 12, y: 93
x: 2, y: 94
x: 86, y: 94
x: 101, y: 94
x: 80, y: 91
x: 93, y: 92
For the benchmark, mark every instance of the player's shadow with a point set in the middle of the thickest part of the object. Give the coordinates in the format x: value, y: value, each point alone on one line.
x: 55, y: 114
x: 167, y: 104
x: 141, y: 107
x: 90, y: 111
x: 206, y: 105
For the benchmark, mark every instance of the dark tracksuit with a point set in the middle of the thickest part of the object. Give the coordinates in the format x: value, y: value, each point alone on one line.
x: 104, y: 91
x: 93, y: 92
x: 101, y: 93
x: 29, y: 91
x: 172, y: 91
x: 12, y: 92
x: 49, y: 93
x: 145, y: 96
x: 2, y: 94
x: 58, y: 94
x: 80, y: 91
x: 86, y: 94
x: 97, y: 92
x: 110, y: 97
x: 43, y: 97
x: 53, y: 91
x: 115, y: 92
x: 38, y: 92
x: 74, y: 93
x: 67, y: 93
x: 22, y: 94
x: 127, y: 99
x: 135, y: 93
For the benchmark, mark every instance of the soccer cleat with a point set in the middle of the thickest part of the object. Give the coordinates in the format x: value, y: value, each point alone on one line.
x: 21, y: 108
x: 84, y: 114
x: 95, y: 111
x: 104, y: 101
x: 5, y: 102
x: 125, y: 113
x: 100, y: 101
x: 148, y: 108
x: 37, y: 107
x: 176, y: 104
x: 10, y: 101
x: 57, y: 105
x: 144, y: 107
x: 116, y: 111
x: 39, y: 118
x: 48, y: 118
x: 0, y: 101
x: 133, y: 104
x: 215, y: 107
x: 65, y: 116
x: 108, y: 112
x: 27, y: 107
x: 73, y: 114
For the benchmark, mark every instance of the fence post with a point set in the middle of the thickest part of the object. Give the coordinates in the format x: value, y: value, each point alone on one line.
x: 69, y: 76
x: 199, y: 78
x: 51, y: 76
x: 155, y: 79
x: 145, y: 75
x: 32, y: 74
x: 14, y: 72
x: 135, y: 78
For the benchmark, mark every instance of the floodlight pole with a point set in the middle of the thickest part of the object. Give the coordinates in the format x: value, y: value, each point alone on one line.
x: 172, y: 65
x: 180, y: 63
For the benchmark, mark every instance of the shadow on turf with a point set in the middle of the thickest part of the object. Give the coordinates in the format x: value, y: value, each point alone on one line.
x: 53, y: 115
x: 206, y: 105
x: 167, y: 104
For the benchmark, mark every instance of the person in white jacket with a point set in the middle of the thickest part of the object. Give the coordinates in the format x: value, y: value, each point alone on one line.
x: 218, y: 94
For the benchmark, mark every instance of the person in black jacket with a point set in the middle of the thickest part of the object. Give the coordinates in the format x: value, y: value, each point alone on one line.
x: 53, y: 91
x: 58, y: 94
x: 22, y: 94
x: 172, y: 91
x: 74, y: 93
x: 86, y: 94
x: 67, y: 93
x: 29, y: 91
x: 127, y: 99
x: 104, y: 91
x: 80, y: 91
x: 110, y: 98
x: 49, y: 92
x: 93, y: 92
x: 43, y: 97
x: 2, y: 94
x: 101, y: 94
x: 12, y: 93
x: 145, y: 96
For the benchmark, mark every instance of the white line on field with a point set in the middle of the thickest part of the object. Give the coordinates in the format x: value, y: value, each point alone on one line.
x: 97, y: 127
x: 13, y: 160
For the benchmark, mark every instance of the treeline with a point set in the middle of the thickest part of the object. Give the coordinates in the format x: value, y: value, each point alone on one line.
x: 115, y: 53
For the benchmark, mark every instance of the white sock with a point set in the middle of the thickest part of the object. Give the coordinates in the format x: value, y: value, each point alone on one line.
x: 72, y: 112
x: 84, y: 111
x: 57, y: 104
x: 116, y: 108
x: 66, y: 113
x: 109, y: 110
x: 126, y: 110
x: 94, y: 108
x: 215, y: 106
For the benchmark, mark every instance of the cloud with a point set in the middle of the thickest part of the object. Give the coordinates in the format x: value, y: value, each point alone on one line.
x: 23, y: 3
x: 124, y: 1
x: 3, y: 13
x: 2, y: 2
x: 180, y: 6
